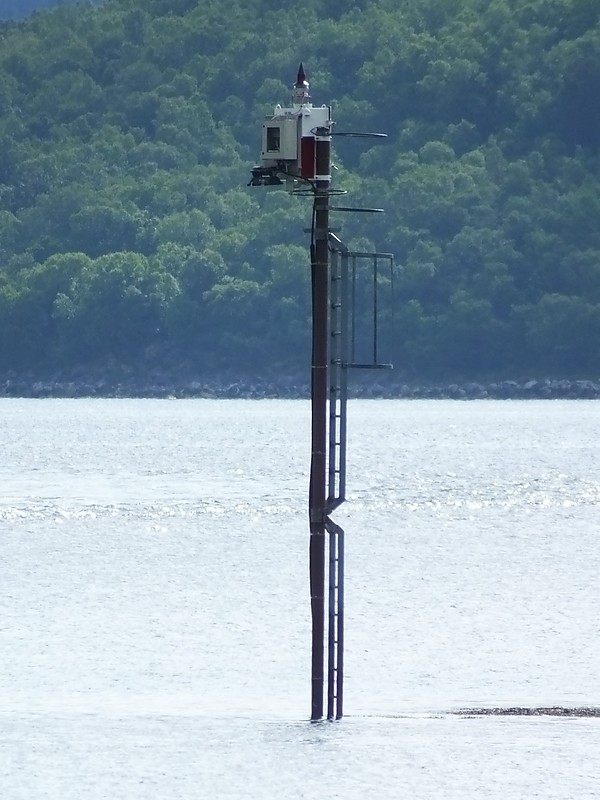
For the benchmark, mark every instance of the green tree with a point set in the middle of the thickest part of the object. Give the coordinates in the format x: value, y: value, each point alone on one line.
x: 115, y: 306
x: 129, y: 129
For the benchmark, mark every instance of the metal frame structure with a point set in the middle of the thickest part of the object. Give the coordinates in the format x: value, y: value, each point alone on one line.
x: 297, y: 151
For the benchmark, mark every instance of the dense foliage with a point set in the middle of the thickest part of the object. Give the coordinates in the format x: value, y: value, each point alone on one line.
x: 127, y: 231
x: 17, y: 9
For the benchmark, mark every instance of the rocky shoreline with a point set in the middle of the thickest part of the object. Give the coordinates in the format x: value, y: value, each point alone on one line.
x: 531, y: 711
x: 168, y: 386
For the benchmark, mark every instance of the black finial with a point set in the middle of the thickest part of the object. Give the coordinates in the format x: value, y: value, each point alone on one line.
x: 301, y: 79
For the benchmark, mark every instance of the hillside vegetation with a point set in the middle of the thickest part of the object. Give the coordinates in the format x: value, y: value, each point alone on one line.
x: 128, y: 233
x: 17, y: 9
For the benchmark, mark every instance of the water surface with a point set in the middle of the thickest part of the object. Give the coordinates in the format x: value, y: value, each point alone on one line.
x: 154, y: 615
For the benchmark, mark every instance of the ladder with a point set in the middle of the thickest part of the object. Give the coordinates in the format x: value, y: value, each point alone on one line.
x: 342, y: 356
x: 338, y: 374
x: 335, y: 627
x: 336, y: 484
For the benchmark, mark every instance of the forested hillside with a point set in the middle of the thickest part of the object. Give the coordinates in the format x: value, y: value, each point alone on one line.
x: 128, y: 233
x: 17, y: 9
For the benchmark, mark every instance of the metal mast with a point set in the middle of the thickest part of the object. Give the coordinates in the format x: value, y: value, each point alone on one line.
x: 297, y: 150
x: 319, y: 397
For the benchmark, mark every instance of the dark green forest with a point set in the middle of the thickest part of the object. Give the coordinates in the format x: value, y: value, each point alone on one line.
x: 17, y: 9
x: 128, y: 233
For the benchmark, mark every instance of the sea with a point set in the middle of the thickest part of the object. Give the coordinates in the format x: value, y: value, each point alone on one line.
x: 155, y: 615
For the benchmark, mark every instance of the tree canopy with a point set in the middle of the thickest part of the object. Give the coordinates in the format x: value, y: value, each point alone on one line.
x: 129, y: 129
x: 17, y: 9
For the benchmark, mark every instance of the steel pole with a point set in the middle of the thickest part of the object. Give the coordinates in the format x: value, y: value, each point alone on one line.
x: 319, y: 398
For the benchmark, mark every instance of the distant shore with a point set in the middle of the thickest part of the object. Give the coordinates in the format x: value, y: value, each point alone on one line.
x: 167, y: 386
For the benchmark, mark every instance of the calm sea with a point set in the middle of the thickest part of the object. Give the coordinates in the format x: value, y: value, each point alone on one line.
x: 154, y: 610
